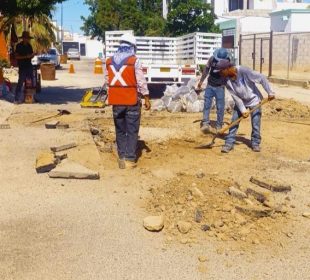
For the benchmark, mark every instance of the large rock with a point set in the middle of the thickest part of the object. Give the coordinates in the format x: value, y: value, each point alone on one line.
x: 72, y: 170
x: 184, y: 227
x: 153, y: 223
x: 45, y: 162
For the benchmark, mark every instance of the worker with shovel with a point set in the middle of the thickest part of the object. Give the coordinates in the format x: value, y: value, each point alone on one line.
x: 241, y: 84
x: 126, y: 86
x: 215, y: 89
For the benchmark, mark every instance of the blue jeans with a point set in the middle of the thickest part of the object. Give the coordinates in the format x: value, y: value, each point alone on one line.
x: 255, y: 120
x: 127, y: 124
x: 23, y: 74
x: 219, y: 94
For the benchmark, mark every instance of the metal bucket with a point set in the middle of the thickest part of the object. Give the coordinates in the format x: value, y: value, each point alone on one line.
x: 48, y: 71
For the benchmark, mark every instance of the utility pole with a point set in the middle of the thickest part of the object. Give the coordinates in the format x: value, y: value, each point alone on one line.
x: 165, y: 9
x: 62, y: 27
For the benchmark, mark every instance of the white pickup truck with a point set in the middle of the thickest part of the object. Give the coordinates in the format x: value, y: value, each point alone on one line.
x: 169, y: 74
x: 169, y: 60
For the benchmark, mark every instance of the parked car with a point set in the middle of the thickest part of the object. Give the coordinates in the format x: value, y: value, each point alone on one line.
x: 73, y: 53
x: 51, y: 56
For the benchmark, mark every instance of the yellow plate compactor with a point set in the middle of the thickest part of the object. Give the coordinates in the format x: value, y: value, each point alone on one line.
x: 94, y: 98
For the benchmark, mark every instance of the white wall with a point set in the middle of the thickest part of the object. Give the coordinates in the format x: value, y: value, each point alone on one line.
x: 93, y: 48
x: 300, y: 22
x: 294, y: 23
x: 220, y: 6
x: 285, y: 6
x: 280, y: 23
x: 254, y: 24
x: 261, y: 5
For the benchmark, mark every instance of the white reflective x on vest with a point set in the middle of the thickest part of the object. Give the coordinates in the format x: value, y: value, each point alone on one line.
x: 118, y: 76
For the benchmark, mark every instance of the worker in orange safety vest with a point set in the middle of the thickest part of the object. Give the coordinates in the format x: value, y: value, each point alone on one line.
x: 126, y: 86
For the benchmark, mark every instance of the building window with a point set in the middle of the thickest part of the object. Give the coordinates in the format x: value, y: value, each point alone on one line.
x: 235, y: 5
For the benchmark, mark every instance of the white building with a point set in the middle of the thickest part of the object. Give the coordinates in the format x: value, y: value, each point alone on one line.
x: 291, y: 20
x: 222, y: 7
x: 90, y: 48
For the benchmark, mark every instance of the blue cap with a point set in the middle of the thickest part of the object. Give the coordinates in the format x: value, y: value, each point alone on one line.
x: 221, y: 53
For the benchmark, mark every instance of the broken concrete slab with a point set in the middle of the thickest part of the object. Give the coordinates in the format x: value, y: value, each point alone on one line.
x: 271, y: 185
x: 72, y: 170
x: 45, y: 162
x: 60, y: 156
x: 51, y: 124
x: 63, y: 147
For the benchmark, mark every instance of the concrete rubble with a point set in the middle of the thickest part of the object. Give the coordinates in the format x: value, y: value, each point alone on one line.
x: 45, y: 162
x: 63, y: 147
x: 71, y: 170
x: 185, y: 99
x: 51, y: 124
x: 153, y: 223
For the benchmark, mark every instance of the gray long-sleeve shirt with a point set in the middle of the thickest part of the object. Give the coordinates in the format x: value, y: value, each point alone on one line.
x: 243, y: 89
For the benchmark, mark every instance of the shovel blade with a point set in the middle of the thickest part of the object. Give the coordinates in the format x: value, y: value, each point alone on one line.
x: 63, y: 112
x: 207, y: 146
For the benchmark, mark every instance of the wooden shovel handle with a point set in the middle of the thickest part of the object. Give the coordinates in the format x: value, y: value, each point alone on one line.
x: 264, y: 101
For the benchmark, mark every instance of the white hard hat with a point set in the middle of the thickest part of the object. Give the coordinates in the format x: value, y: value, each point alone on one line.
x: 128, y: 38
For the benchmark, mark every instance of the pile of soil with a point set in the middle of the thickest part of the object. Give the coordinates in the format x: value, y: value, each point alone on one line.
x: 204, y: 203
x: 286, y: 108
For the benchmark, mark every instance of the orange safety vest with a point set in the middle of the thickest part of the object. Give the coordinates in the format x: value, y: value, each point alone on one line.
x: 122, y: 83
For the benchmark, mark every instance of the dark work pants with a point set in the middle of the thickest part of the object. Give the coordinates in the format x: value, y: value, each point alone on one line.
x: 23, y: 74
x: 127, y: 124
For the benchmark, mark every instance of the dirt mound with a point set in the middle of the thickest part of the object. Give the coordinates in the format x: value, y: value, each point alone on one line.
x: 201, y: 207
x: 286, y: 108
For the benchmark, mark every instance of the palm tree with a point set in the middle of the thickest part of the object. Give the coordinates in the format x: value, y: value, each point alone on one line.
x: 40, y: 27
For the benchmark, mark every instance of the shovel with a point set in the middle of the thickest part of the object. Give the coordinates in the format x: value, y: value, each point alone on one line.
x: 210, y: 145
x: 60, y: 113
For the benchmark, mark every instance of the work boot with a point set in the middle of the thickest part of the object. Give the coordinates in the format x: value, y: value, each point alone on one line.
x: 256, y: 148
x: 121, y: 163
x: 129, y: 164
x: 218, y: 130
x: 205, y: 128
x: 226, y: 149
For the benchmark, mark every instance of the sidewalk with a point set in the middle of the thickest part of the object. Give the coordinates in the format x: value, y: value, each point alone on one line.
x: 299, y: 94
